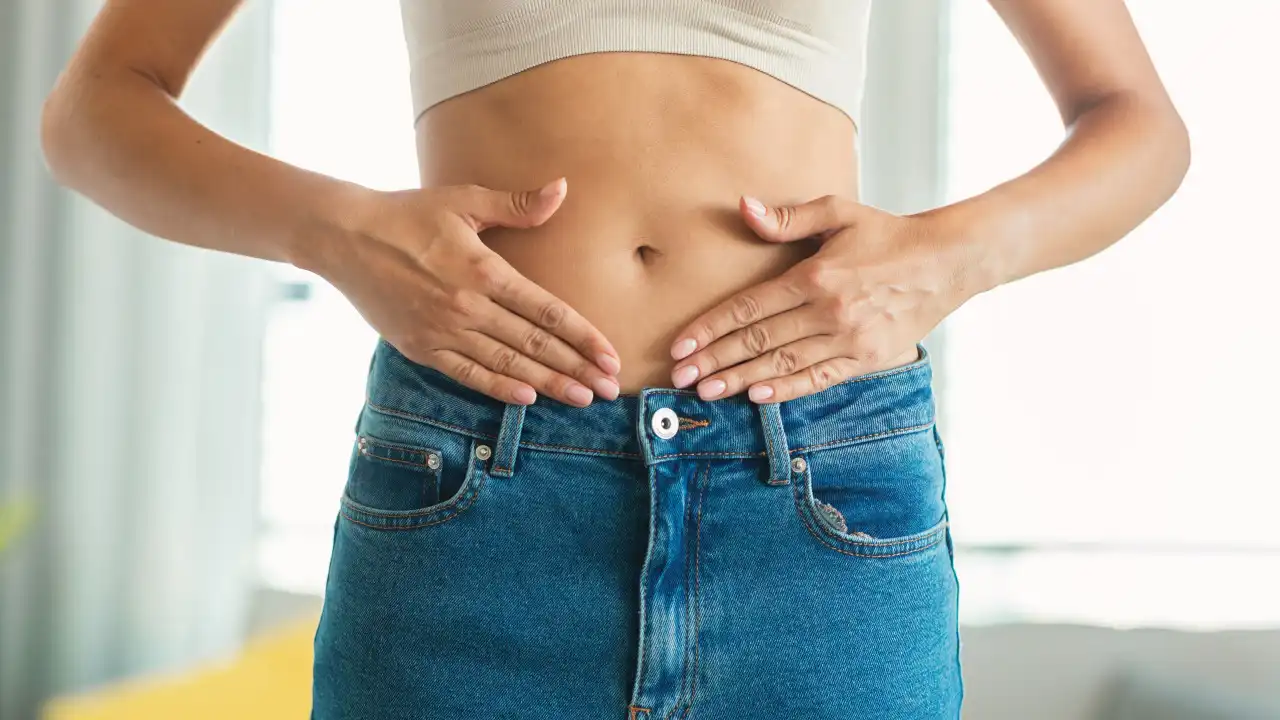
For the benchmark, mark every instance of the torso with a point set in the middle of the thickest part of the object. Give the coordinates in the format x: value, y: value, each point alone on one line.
x: 657, y: 149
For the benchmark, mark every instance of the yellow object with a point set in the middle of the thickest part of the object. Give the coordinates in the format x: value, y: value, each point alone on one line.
x: 270, y: 678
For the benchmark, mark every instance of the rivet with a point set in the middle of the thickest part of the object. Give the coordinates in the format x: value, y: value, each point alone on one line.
x: 433, y: 461
x: 483, y: 452
x: 798, y: 465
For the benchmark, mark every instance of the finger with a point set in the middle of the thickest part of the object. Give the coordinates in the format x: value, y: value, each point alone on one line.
x: 484, y: 208
x: 747, y: 307
x: 475, y: 376
x: 750, y: 342
x: 506, y: 361
x: 545, y: 348
x: 785, y: 223
x: 807, y: 381
x: 780, y: 362
x: 525, y: 298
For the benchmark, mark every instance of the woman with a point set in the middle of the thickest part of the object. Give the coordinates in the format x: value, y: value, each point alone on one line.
x: 650, y: 433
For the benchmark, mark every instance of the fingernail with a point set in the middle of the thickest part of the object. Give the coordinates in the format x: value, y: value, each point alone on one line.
x: 755, y: 206
x: 579, y: 394
x: 683, y: 348
x: 685, y: 375
x: 552, y: 189
x: 606, y: 388
x: 760, y: 393
x: 711, y: 389
x: 525, y: 396
x: 608, y: 363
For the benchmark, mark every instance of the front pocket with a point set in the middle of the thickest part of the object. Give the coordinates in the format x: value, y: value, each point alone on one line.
x: 881, y: 495
x: 421, y: 477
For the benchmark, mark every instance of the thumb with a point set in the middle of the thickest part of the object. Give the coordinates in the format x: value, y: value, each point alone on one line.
x: 822, y: 217
x: 486, y: 208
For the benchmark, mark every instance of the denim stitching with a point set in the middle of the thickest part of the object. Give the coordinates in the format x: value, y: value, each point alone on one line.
x: 430, y: 421
x: 684, y: 665
x: 589, y: 451
x: 882, y: 433
x: 697, y: 594
x: 933, y: 543
x: 395, y: 446
x: 379, y: 458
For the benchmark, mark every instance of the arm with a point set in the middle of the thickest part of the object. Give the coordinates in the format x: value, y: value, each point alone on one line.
x: 1125, y: 153
x: 411, y: 261
x: 879, y: 282
x: 112, y: 130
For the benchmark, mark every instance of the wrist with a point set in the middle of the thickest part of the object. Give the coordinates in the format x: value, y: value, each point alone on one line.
x: 337, y: 217
x: 963, y: 249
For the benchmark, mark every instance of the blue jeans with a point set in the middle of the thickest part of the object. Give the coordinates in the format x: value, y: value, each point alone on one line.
x: 656, y: 556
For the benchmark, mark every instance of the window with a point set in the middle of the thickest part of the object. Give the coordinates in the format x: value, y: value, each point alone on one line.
x: 1110, y: 426
x: 347, y: 114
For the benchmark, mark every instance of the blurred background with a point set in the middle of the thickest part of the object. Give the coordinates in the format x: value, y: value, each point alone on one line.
x: 175, y: 424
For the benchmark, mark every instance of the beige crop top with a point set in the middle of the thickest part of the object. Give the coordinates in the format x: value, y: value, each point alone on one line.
x: 817, y: 46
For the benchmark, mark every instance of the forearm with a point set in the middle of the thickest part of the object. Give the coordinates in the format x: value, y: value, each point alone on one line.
x: 1121, y: 160
x: 122, y: 141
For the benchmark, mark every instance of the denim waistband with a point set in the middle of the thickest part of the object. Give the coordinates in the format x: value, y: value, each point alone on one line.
x: 868, y: 406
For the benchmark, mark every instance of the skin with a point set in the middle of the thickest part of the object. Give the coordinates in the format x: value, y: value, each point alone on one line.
x: 697, y: 222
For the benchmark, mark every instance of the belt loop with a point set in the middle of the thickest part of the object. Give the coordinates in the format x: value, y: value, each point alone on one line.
x: 504, y: 455
x: 775, y: 440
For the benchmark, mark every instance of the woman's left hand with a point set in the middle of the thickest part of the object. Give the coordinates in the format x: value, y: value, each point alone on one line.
x: 876, y: 286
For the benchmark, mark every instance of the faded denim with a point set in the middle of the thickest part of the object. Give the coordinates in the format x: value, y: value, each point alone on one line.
x: 786, y: 560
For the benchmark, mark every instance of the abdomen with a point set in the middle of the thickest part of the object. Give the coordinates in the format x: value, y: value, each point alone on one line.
x: 657, y: 150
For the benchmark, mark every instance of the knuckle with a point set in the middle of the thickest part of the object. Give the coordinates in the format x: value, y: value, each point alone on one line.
x: 841, y: 313
x: 536, y: 342
x: 703, y: 334
x: 489, y: 273
x: 786, y: 217
x: 756, y: 339
x: 504, y: 361
x: 816, y: 276
x: 821, y: 375
x: 462, y: 303
x: 520, y: 202
x: 785, y: 361
x: 552, y: 315
x: 746, y: 309
x: 467, y: 371
x: 830, y: 207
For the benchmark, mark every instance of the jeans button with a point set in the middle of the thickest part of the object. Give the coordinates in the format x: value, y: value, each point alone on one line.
x: 665, y: 423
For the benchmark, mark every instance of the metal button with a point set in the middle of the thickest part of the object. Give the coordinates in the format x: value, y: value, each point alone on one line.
x: 665, y: 423
x: 433, y: 461
x: 483, y: 452
x: 798, y: 465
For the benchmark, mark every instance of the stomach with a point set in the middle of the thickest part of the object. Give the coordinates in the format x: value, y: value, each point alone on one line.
x: 656, y: 150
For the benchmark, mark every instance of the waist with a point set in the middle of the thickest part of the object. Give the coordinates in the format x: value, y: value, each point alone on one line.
x: 655, y: 424
x: 656, y: 149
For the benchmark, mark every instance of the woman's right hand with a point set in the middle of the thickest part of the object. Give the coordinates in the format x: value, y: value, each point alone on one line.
x: 418, y: 272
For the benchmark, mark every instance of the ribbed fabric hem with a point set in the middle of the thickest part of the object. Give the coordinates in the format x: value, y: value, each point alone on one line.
x: 552, y: 29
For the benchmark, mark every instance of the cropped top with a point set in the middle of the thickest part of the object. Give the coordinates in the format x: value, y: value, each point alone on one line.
x: 816, y: 46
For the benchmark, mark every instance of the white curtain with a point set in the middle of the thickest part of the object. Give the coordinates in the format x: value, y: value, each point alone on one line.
x: 129, y: 395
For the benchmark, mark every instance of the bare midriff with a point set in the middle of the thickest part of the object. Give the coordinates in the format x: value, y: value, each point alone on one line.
x: 656, y: 149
